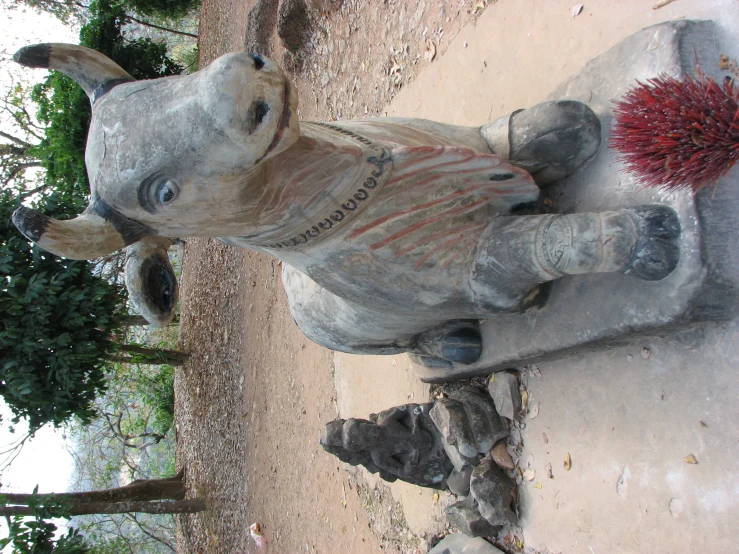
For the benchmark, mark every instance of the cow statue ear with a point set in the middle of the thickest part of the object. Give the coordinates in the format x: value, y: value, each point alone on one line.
x: 93, y: 71
x: 151, y: 281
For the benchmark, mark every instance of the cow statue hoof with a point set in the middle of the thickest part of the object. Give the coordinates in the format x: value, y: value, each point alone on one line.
x: 550, y: 140
x: 657, y: 249
x: 457, y: 341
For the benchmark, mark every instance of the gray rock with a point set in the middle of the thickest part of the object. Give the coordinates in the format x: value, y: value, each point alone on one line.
x: 492, y: 491
x: 459, y: 543
x: 465, y: 516
x: 451, y: 419
x: 484, y: 421
x: 504, y: 392
x: 459, y: 481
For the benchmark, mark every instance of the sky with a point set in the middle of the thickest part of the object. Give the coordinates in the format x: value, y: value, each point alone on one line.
x: 43, y: 461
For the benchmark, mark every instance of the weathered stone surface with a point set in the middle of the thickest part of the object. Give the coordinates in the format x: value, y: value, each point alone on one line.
x: 501, y: 456
x: 369, y: 268
x: 493, y: 492
x: 503, y: 389
x: 399, y: 443
x: 486, y: 425
x: 450, y: 418
x: 464, y: 516
x: 705, y: 283
x: 459, y: 481
x: 459, y: 543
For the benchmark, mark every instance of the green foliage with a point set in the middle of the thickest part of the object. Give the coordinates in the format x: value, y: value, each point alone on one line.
x: 36, y: 535
x: 157, y: 394
x: 190, y: 59
x: 141, y: 58
x: 57, y: 317
x: 64, y: 109
x: 57, y: 325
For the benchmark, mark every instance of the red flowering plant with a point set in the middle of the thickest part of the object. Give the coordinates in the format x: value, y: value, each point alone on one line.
x: 678, y: 134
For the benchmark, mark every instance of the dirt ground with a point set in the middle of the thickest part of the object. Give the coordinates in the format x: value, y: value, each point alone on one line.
x: 252, y: 400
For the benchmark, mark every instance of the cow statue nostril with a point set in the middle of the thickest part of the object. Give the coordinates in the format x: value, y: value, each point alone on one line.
x: 258, y: 61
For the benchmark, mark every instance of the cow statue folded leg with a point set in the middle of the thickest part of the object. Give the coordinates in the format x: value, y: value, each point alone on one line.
x: 396, y: 234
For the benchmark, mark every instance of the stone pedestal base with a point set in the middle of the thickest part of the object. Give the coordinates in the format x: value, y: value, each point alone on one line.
x: 591, y: 312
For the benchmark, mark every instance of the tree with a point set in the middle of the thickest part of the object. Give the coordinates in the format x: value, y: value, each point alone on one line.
x: 74, y: 9
x: 151, y: 496
x: 57, y: 328
x: 59, y: 318
x: 37, y: 535
x: 156, y: 496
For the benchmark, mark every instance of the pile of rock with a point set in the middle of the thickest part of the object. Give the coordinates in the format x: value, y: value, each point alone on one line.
x: 457, y: 442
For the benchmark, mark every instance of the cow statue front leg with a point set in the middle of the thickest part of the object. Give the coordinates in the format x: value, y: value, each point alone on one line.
x: 521, y: 252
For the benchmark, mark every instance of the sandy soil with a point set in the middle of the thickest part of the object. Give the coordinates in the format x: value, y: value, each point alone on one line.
x: 252, y: 400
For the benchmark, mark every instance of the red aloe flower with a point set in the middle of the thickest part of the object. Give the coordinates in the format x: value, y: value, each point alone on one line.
x: 678, y: 134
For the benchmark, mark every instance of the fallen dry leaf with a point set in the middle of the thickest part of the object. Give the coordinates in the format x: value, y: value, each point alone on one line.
x: 524, y: 399
x: 544, y: 436
x: 529, y: 474
x: 435, y: 497
x: 538, y: 485
x: 661, y: 4
x: 501, y: 456
x: 430, y: 52
x: 549, y: 471
x: 690, y: 459
x: 534, y: 411
x: 256, y: 533
x: 568, y: 462
x: 576, y: 9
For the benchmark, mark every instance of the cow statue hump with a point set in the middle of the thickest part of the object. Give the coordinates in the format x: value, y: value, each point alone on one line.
x: 397, y: 235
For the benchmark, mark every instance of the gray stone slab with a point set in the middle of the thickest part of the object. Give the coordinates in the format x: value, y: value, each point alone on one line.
x: 592, y: 312
x: 459, y: 543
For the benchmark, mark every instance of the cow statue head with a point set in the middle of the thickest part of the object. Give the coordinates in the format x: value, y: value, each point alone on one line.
x: 169, y: 157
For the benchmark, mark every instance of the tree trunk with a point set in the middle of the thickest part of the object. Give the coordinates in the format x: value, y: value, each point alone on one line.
x: 166, y: 29
x: 139, y: 321
x: 85, y: 508
x: 152, y: 355
x: 141, y: 490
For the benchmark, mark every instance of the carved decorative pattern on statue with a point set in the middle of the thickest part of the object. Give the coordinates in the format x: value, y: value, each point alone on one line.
x: 378, y: 164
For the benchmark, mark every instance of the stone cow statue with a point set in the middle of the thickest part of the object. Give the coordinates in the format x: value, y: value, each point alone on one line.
x: 396, y: 234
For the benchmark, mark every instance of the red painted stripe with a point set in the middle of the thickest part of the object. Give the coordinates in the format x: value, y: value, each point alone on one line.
x: 442, y: 246
x: 436, y: 236
x: 413, y: 228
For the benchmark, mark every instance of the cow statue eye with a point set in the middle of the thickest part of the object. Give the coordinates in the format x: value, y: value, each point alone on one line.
x: 166, y: 191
